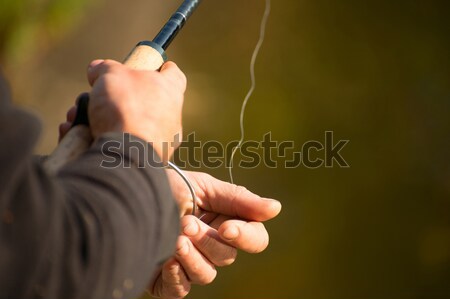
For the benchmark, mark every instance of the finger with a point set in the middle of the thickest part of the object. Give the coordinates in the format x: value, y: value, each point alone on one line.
x: 232, y: 200
x: 208, y: 242
x: 172, y: 71
x: 197, y: 267
x: 63, y: 129
x: 217, y: 221
x: 71, y: 114
x: 98, y: 67
x: 251, y: 237
x: 172, y: 283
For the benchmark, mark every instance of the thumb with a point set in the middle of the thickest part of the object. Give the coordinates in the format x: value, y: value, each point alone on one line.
x: 235, y: 201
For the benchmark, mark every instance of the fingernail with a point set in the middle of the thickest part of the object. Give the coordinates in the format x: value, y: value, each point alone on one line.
x: 269, y: 199
x: 277, y: 202
x: 191, y: 229
x: 231, y: 233
x: 274, y: 201
x: 95, y: 63
x: 183, y: 249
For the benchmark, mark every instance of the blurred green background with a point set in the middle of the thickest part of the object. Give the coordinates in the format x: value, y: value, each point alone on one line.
x: 375, y: 72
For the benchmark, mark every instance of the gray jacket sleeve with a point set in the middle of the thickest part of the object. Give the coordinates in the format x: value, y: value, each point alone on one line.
x: 88, y: 232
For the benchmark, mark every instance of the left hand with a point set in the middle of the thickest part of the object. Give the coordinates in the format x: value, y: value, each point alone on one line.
x: 232, y: 219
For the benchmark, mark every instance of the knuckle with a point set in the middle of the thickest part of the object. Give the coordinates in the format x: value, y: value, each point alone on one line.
x: 156, y: 292
x: 109, y: 80
x: 205, y: 180
x: 109, y: 62
x: 207, y: 243
x: 182, y: 80
x: 169, y: 64
x: 150, y: 76
x: 219, y: 253
x: 173, y: 269
x: 184, y: 221
x: 113, y: 67
x: 205, y: 176
x: 189, y: 221
x: 178, y: 291
x: 239, y: 190
x: 175, y: 284
x: 182, y: 246
x: 176, y: 76
x: 202, y: 274
x: 228, y: 258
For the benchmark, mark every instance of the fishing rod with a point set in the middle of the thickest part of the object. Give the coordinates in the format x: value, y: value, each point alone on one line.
x: 143, y: 56
x: 146, y: 55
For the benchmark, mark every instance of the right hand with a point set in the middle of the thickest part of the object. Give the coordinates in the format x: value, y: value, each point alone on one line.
x: 146, y: 104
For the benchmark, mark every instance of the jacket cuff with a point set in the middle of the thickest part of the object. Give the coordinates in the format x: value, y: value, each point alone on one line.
x: 128, y: 151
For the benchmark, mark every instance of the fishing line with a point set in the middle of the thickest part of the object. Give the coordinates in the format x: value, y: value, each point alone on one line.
x: 188, y: 183
x: 262, y: 33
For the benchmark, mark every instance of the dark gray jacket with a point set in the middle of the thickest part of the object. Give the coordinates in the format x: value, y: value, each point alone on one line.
x: 89, y: 232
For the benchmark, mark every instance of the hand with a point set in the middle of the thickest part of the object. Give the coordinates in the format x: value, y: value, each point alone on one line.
x: 147, y: 104
x: 231, y: 220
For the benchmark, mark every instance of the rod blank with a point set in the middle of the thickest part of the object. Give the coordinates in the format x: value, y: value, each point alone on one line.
x: 175, y: 23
